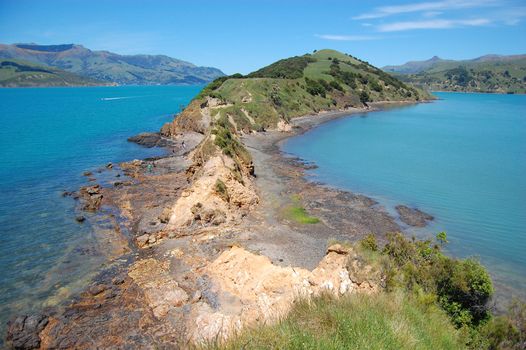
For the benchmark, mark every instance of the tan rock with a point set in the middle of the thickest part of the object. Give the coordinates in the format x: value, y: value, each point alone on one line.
x: 161, y: 291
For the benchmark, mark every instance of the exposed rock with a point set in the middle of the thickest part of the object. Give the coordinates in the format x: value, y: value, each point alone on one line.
x: 97, y: 289
x: 165, y: 215
x: 284, y: 126
x: 92, y: 197
x: 161, y: 291
x: 80, y: 218
x: 142, y: 240
x: 251, y: 289
x: 23, y: 331
x: 109, y: 166
x: 87, y: 173
x: 413, y: 217
x: 151, y: 139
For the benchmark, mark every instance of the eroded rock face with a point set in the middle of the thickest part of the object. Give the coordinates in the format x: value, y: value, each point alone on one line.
x: 251, y: 289
x: 23, y: 331
x: 201, y: 204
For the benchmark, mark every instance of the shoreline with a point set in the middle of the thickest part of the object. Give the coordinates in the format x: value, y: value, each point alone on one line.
x: 263, y: 231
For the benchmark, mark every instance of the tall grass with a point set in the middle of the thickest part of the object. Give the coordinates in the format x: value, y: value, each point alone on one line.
x: 383, y: 321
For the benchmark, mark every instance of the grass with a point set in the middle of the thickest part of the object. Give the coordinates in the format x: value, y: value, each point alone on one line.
x: 384, y: 321
x: 295, y: 212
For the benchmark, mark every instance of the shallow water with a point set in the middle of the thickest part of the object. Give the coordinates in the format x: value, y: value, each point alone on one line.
x: 461, y: 159
x: 49, y: 137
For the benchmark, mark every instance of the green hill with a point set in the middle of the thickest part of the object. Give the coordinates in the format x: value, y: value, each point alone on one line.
x: 301, y: 85
x: 17, y: 73
x: 491, y: 73
x: 111, y: 67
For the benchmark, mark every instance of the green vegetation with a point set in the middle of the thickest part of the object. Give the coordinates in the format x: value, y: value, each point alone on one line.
x: 301, y: 85
x: 14, y: 73
x: 222, y: 190
x: 428, y: 301
x: 288, y: 68
x: 504, y: 74
x: 385, y: 321
x: 110, y: 67
x: 295, y: 212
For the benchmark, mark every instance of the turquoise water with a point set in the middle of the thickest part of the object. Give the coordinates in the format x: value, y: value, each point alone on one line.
x: 461, y: 159
x: 48, y: 138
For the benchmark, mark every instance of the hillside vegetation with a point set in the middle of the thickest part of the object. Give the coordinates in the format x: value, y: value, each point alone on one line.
x: 501, y: 74
x: 297, y: 86
x: 111, y: 67
x: 17, y: 73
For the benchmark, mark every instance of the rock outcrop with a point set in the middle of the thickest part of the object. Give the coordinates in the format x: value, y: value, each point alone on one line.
x: 251, y: 289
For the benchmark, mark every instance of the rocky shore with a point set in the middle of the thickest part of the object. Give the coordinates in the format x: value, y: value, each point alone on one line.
x: 207, y: 246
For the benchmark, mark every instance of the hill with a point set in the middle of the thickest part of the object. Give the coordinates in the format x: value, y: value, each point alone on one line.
x: 490, y: 73
x: 17, y: 73
x: 301, y: 85
x: 111, y: 67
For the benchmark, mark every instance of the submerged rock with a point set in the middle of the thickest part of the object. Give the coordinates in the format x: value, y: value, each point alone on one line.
x: 23, y: 331
x: 413, y: 216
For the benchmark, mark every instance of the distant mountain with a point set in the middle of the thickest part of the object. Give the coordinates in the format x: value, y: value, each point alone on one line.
x: 414, y: 66
x: 18, y: 73
x: 111, y: 67
x: 489, y: 73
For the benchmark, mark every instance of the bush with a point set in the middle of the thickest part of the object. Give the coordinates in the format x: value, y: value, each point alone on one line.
x: 364, y: 97
x: 221, y: 189
x: 315, y: 88
x: 463, y: 287
x: 289, y: 68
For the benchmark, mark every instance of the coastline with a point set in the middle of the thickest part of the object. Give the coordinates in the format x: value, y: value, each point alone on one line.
x: 120, y: 300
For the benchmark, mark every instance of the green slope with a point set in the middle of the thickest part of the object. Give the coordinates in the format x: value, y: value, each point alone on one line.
x: 296, y: 86
x: 502, y: 74
x: 111, y: 67
x: 17, y: 73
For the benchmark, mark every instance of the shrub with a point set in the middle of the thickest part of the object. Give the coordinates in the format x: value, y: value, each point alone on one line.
x: 289, y: 68
x: 221, y: 189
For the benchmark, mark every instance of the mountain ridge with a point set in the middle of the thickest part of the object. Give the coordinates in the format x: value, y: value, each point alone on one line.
x: 489, y: 73
x: 111, y: 67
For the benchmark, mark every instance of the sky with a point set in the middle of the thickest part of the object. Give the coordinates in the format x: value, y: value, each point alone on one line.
x: 242, y: 36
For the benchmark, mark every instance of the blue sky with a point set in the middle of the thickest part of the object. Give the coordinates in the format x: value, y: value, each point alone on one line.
x: 241, y: 36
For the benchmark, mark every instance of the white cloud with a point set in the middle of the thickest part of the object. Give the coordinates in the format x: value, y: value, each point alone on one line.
x: 346, y: 37
x: 386, y: 11
x: 432, y: 24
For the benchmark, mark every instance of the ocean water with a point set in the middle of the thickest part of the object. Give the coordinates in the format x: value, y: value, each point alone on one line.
x: 48, y: 138
x: 461, y: 158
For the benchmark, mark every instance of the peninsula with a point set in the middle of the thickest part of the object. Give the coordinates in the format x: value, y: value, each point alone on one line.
x: 230, y: 246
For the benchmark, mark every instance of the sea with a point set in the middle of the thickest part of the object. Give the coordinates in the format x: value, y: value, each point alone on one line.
x: 48, y: 138
x: 461, y: 158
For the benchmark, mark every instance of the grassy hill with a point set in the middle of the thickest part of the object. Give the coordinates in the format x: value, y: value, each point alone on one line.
x: 17, y: 73
x: 491, y: 73
x: 296, y: 86
x: 110, y: 67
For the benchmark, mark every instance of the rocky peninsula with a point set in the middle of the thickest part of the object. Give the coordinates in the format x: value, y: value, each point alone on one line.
x: 224, y: 231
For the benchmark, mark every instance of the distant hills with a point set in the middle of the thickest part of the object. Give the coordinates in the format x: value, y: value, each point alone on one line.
x: 107, y: 67
x: 490, y: 73
x: 18, y: 73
